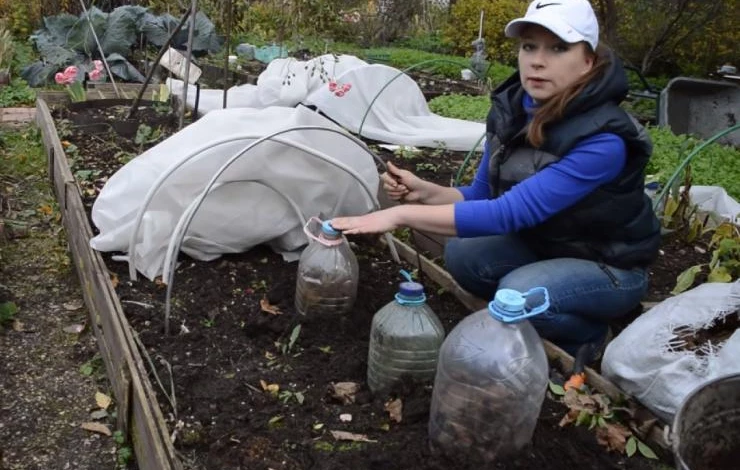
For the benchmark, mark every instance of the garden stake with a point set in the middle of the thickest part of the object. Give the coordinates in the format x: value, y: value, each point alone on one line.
x: 165, y: 47
x: 228, y: 45
x: 188, y: 58
x: 100, y: 48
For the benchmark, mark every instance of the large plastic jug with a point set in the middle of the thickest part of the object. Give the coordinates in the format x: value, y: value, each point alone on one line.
x: 327, y: 273
x: 405, y: 338
x: 491, y: 379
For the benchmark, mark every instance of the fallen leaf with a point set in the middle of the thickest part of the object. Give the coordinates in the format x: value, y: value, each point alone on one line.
x: 344, y: 391
x: 99, y: 428
x: 114, y: 280
x: 349, y: 436
x: 345, y: 417
x: 18, y: 326
x: 46, y: 209
x: 74, y: 329
x: 99, y: 414
x: 394, y: 409
x: 267, y: 308
x: 102, y: 400
x: 73, y: 305
x: 577, y: 400
x: 613, y: 436
x: 272, y: 388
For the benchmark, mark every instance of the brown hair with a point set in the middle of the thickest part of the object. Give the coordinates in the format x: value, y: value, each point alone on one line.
x: 553, y: 109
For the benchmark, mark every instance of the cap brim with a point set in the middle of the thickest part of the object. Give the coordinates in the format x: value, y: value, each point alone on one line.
x: 552, y: 23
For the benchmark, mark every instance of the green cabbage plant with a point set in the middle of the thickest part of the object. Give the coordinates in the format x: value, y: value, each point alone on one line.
x: 66, y: 40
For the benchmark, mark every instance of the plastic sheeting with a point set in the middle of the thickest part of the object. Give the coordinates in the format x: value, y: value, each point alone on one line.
x: 400, y: 114
x: 665, y: 368
x: 715, y: 199
x: 239, y: 215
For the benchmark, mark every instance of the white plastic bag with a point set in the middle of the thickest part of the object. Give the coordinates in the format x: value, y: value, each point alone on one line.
x: 650, y: 361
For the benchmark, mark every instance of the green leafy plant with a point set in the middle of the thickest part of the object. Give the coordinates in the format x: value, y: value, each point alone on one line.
x: 599, y: 413
x: 406, y: 152
x: 286, y: 347
x: 68, y: 40
x: 17, y: 93
x: 716, y: 165
x: 725, y: 263
x: 7, y: 313
x: 146, y: 135
x: 124, y: 453
x: 469, y: 108
x: 286, y: 396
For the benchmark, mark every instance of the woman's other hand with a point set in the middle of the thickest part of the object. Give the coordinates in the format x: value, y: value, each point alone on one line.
x: 403, y: 185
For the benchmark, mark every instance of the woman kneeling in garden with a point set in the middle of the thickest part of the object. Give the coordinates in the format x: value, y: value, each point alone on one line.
x: 558, y: 198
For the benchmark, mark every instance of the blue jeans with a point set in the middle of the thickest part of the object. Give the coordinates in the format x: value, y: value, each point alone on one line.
x: 584, y: 295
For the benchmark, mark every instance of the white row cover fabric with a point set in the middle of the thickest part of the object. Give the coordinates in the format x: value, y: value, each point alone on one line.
x: 240, y: 215
x: 715, y: 199
x: 661, y: 372
x: 400, y: 114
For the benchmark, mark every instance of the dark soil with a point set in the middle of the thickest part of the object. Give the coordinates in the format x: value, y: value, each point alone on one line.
x: 226, y: 351
x: 433, y: 85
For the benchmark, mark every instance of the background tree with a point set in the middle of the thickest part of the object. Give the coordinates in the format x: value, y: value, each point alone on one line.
x: 650, y: 32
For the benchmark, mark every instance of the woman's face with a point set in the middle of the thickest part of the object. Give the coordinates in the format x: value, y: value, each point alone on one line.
x: 548, y: 65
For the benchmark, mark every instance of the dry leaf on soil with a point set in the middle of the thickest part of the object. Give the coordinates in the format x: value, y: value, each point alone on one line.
x: 75, y: 329
x: 99, y: 414
x: 267, y: 308
x: 349, y: 436
x: 271, y: 388
x: 578, y: 401
x: 73, y: 305
x: 613, y: 436
x: 102, y: 400
x: 395, y: 409
x: 99, y: 428
x: 344, y: 391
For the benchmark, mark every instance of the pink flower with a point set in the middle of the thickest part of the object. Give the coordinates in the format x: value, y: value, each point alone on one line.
x: 98, y: 66
x: 67, y: 77
x: 71, y: 72
x: 339, y: 93
x: 95, y: 74
x: 332, y: 85
x: 346, y: 87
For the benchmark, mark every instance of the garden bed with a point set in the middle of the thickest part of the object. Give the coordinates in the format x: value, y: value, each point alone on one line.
x: 245, y: 396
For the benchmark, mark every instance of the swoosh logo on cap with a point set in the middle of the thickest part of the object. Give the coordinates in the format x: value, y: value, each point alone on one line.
x: 543, y: 5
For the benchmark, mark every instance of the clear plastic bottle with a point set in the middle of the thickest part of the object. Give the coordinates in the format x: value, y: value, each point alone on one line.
x: 405, y: 338
x: 491, y: 380
x: 327, y: 275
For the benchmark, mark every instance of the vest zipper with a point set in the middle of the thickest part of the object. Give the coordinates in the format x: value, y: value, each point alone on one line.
x: 499, y: 161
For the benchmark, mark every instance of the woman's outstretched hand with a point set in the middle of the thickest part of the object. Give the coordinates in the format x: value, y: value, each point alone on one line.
x: 374, y: 222
x: 403, y: 185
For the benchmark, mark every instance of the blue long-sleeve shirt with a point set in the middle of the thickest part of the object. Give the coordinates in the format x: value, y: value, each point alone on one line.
x: 593, y: 162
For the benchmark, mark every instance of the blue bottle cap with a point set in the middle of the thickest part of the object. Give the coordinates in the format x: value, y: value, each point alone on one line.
x: 509, y: 300
x: 411, y: 290
x: 327, y: 229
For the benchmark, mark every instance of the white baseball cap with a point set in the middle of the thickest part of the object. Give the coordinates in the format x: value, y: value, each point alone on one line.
x: 571, y: 20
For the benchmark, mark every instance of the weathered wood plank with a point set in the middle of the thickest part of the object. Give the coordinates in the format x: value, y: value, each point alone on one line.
x: 138, y: 409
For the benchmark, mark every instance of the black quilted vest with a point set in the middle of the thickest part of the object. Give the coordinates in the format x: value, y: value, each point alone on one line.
x: 615, y: 224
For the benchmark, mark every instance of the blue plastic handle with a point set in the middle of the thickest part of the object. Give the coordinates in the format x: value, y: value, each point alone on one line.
x: 514, y: 317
